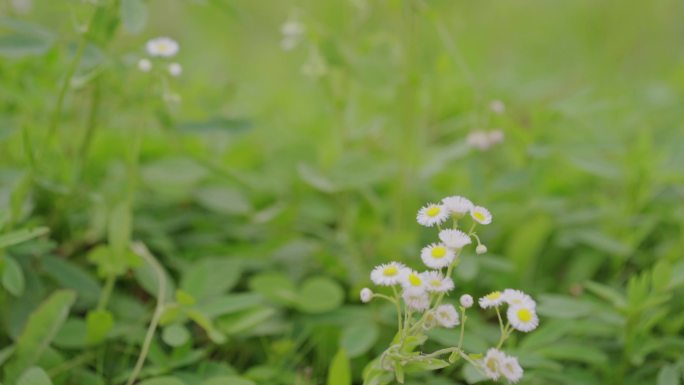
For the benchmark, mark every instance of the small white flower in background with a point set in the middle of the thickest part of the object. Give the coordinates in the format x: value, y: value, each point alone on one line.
x: 175, y: 69
x: 466, y: 301
x: 447, y: 316
x: 518, y: 298
x: 492, y: 299
x: 412, y: 281
x: 437, y: 255
x: 457, y: 206
x: 497, y: 107
x: 496, y: 136
x: 388, y: 274
x: 492, y: 363
x: 481, y: 249
x: 484, y: 140
x: 454, y: 239
x: 162, y: 46
x: 510, y: 369
x: 292, y: 31
x: 436, y: 283
x: 315, y: 65
x: 523, y: 318
x: 481, y: 215
x: 366, y: 295
x: 144, y: 65
x: 416, y: 300
x: 432, y: 214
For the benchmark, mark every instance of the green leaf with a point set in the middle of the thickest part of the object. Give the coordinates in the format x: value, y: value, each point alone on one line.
x: 669, y: 375
x: 166, y: 380
x: 175, y: 335
x: 276, y: 287
x: 340, y: 369
x: 358, y: 338
x: 24, y: 39
x: 98, y: 324
x: 319, y: 295
x: 211, y: 277
x: 215, y: 125
x: 608, y: 293
x: 72, y: 276
x: 20, y: 236
x: 244, y: 321
x: 34, y: 376
x: 527, y: 243
x: 133, y: 15
x: 315, y: 179
x: 223, y: 200
x: 425, y: 364
x: 560, y: 306
x: 12, y: 277
x: 119, y: 231
x: 228, y: 304
x: 41, y: 328
x: 228, y: 380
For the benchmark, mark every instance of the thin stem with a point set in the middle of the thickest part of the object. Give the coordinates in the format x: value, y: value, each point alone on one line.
x: 504, y: 335
x: 398, y: 305
x: 376, y: 295
x: 106, y: 292
x: 498, y: 315
x: 464, y: 318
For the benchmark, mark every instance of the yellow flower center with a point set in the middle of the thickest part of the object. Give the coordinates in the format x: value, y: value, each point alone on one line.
x: 492, y: 364
x: 493, y: 296
x: 479, y: 216
x: 415, y: 280
x: 439, y: 252
x: 436, y: 283
x: 525, y: 315
x: 390, y: 271
x: 433, y: 211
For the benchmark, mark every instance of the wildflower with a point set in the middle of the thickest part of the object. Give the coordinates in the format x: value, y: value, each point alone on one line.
x: 388, y: 274
x: 447, y: 316
x: 292, y: 32
x: 496, y: 137
x: 492, y: 299
x: 175, y: 69
x: 416, y: 300
x: 457, y: 206
x: 437, y: 255
x: 481, y: 249
x: 492, y: 363
x: 478, y: 139
x: 466, y: 301
x: 518, y: 298
x: 366, y: 295
x: 162, y: 46
x: 432, y: 214
x: 434, y: 282
x: 144, y: 65
x: 481, y: 215
x: 497, y: 107
x: 510, y: 368
x: 412, y: 281
x: 523, y: 318
x: 454, y: 239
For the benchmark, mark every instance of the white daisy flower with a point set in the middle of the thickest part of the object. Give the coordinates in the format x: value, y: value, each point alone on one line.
x: 436, y: 283
x: 144, y: 65
x: 457, y: 206
x: 162, y: 46
x: 437, y: 255
x: 518, y: 298
x: 416, y: 300
x: 492, y: 299
x: 466, y: 301
x: 523, y: 318
x: 510, y: 369
x: 481, y: 215
x: 497, y: 107
x: 480, y: 249
x: 447, y: 316
x: 412, y: 281
x: 388, y: 274
x: 432, y: 214
x: 454, y: 239
x: 492, y: 363
x: 175, y: 69
x: 366, y: 295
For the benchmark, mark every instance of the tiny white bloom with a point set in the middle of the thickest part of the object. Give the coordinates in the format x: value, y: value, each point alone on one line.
x: 481, y: 249
x: 432, y: 214
x: 523, y: 318
x: 366, y: 295
x: 492, y: 363
x: 162, y: 46
x: 388, y: 274
x: 416, y: 300
x: 479, y: 139
x: 457, y: 206
x: 496, y: 136
x: 292, y: 28
x: 447, y: 316
x: 144, y: 65
x: 492, y: 299
x: 437, y: 255
x: 481, y: 215
x: 518, y: 298
x: 466, y: 301
x: 436, y: 283
x: 510, y: 368
x: 454, y: 239
x: 412, y: 281
x: 497, y: 106
x: 175, y: 69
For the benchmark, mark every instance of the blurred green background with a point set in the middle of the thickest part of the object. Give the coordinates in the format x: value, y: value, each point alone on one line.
x: 291, y: 156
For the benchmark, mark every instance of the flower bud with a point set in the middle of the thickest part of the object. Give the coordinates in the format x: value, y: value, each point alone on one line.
x: 481, y: 249
x: 366, y: 295
x: 466, y: 301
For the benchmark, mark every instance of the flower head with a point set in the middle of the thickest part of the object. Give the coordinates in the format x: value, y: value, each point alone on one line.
x: 447, y: 316
x: 497, y: 107
x: 416, y: 300
x: 162, y: 46
x: 492, y: 363
x: 366, y: 295
x: 466, y: 301
x: 436, y: 283
x: 454, y: 239
x: 518, y: 298
x: 481, y: 249
x: 481, y: 215
x: 492, y: 299
x: 175, y: 69
x: 388, y: 274
x: 523, y: 318
x: 412, y: 281
x: 144, y: 65
x: 432, y: 214
x: 292, y: 31
x: 457, y: 206
x: 510, y: 369
x: 437, y: 255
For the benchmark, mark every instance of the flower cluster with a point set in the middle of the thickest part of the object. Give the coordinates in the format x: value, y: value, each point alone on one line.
x: 420, y: 298
x: 484, y: 140
x: 161, y: 48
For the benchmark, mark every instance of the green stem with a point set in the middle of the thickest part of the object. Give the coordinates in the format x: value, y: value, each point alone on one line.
x: 398, y: 305
x: 106, y: 292
x: 504, y: 335
x: 464, y: 318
